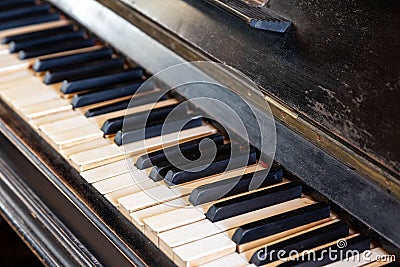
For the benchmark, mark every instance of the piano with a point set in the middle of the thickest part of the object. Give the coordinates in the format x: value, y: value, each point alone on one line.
x: 109, y: 111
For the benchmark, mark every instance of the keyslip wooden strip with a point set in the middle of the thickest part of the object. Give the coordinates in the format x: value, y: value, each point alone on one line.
x: 170, y: 220
x: 33, y: 28
x: 204, y: 251
x: 99, y: 120
x: 89, y: 144
x: 121, y: 181
x: 43, y: 109
x: 132, y: 189
x: 232, y: 260
x: 36, y: 123
x: 96, y: 157
x: 145, y: 199
x: 137, y: 217
x: 189, y: 233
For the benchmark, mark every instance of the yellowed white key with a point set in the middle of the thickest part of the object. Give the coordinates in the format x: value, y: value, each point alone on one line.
x: 132, y: 189
x: 62, y: 140
x: 12, y: 77
x: 121, y: 181
x: 145, y: 199
x: 36, y: 123
x: 231, y: 260
x: 10, y: 63
x: 84, y: 146
x: 170, y: 220
x: 64, y: 125
x: 192, y: 232
x: 112, y: 153
x: 204, y: 250
x: 46, y: 108
x: 137, y: 217
x: 107, y: 171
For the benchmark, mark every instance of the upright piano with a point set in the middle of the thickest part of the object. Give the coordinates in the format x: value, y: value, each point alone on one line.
x: 120, y: 119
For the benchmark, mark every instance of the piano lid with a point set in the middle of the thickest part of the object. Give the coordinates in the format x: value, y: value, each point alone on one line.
x: 338, y: 66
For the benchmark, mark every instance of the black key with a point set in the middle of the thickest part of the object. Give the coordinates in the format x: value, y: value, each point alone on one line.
x: 233, y: 186
x: 60, y: 47
x: 36, y: 34
x: 36, y: 19
x: 121, y: 105
x: 69, y: 87
x: 82, y: 71
x: 21, y: 12
x: 308, y: 240
x: 253, y: 201
x: 156, y: 157
x: 280, y: 223
x: 59, y: 62
x: 155, y: 128
x: 45, y: 41
x: 322, y: 257
x: 85, y: 99
x: 13, y: 4
x: 112, y: 126
x: 177, y: 176
x: 159, y: 171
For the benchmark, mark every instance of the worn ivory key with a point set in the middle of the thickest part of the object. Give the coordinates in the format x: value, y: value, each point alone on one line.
x: 231, y: 260
x: 10, y: 63
x: 84, y: 146
x: 129, y: 190
x: 137, y: 217
x: 46, y: 108
x: 204, y: 250
x: 121, y: 181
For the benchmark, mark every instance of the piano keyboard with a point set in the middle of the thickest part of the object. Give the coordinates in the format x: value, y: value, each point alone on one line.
x: 74, y: 91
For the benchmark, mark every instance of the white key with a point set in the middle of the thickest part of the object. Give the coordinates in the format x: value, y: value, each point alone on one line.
x: 137, y: 217
x: 145, y: 199
x: 106, y: 171
x: 121, y: 181
x: 232, y: 260
x: 170, y: 220
x: 204, y: 250
x: 132, y: 189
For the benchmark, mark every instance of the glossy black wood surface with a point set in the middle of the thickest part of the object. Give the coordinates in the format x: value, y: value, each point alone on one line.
x: 338, y: 66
